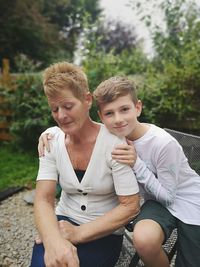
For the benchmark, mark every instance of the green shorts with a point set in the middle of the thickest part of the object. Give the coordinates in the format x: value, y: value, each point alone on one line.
x: 155, y: 211
x: 188, y: 247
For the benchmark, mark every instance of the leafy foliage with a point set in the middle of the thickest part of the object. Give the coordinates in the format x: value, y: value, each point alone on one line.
x: 31, y: 114
x: 171, y: 84
x: 45, y: 31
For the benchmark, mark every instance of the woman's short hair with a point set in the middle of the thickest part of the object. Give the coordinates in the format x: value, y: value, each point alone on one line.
x: 64, y: 75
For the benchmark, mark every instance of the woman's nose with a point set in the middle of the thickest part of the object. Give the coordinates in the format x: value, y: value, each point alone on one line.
x: 61, y: 113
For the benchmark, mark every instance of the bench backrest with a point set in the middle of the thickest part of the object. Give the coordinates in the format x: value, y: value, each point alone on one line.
x: 191, y: 147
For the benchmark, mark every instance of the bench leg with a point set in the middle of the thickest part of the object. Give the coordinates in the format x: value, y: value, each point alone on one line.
x: 134, y: 261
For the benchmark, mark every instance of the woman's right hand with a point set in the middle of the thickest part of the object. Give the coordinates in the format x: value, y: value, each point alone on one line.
x: 62, y: 254
x: 44, y: 143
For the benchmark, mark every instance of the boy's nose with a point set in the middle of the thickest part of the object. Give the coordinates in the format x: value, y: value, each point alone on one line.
x: 118, y: 118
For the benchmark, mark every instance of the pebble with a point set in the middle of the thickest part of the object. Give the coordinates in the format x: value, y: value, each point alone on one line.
x: 17, y: 232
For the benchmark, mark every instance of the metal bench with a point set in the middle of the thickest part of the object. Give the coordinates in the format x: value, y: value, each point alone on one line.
x: 191, y: 148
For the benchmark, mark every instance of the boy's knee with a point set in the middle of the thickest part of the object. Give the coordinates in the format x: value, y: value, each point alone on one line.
x: 147, y: 237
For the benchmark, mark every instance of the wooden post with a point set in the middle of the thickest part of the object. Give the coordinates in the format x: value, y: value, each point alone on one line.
x: 6, y: 72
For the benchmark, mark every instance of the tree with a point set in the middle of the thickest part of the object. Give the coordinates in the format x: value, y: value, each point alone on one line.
x: 43, y: 30
x: 171, y: 87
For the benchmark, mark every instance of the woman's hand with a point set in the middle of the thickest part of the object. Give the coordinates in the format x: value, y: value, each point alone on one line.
x: 61, y: 253
x: 69, y: 231
x: 125, y: 153
x: 44, y: 143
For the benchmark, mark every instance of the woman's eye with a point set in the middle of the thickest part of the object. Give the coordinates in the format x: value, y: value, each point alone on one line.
x: 68, y: 107
x: 54, y: 109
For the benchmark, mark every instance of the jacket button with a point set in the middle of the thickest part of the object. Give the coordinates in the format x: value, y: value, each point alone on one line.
x: 83, y: 207
x: 79, y: 190
x: 85, y: 194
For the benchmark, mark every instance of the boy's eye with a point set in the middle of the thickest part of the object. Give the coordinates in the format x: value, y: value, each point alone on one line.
x: 109, y: 113
x: 125, y: 109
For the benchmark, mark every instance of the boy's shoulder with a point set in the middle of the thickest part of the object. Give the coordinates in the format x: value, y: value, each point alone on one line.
x: 159, y: 135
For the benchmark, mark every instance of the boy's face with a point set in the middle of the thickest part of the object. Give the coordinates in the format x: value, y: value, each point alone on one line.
x: 120, y: 116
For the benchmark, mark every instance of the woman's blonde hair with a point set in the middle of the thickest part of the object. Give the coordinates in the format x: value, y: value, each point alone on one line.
x: 64, y: 75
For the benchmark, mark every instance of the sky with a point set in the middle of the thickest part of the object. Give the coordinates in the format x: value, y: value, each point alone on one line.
x: 120, y: 10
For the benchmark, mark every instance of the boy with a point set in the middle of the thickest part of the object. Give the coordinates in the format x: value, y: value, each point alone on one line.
x: 171, y: 189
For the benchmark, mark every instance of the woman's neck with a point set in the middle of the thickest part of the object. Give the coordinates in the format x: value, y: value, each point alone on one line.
x: 88, y: 133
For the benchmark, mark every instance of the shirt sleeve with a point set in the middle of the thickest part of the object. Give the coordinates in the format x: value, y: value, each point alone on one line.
x: 161, y: 185
x: 52, y: 130
x: 124, y: 179
x: 47, y: 167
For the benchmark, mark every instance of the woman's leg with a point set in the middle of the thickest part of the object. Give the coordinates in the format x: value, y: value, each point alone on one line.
x: 37, y: 259
x: 103, y: 252
x: 152, y: 227
x: 188, y: 249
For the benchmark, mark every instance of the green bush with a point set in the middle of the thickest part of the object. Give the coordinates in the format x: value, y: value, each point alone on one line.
x: 31, y: 114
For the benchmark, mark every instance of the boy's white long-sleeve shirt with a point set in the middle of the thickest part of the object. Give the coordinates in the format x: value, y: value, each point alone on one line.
x: 163, y: 173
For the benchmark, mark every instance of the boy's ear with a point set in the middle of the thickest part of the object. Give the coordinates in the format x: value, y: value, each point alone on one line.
x: 138, y: 107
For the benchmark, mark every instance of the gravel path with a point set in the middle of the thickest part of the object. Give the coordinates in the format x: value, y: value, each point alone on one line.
x: 17, y: 231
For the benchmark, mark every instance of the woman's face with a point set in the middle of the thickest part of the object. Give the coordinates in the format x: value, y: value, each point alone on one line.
x: 69, y: 112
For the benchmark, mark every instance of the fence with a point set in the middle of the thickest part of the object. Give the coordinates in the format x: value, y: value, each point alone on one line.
x: 5, y: 111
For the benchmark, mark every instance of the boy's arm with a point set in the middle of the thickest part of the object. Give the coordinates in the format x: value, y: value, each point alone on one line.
x: 161, y: 185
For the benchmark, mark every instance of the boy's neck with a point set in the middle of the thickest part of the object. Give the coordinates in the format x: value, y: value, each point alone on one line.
x: 139, y: 131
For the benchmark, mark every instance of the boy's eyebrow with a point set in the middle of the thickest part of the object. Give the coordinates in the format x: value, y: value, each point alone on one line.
x: 110, y: 109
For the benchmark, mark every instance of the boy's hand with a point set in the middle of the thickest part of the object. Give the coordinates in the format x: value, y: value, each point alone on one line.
x: 44, y: 143
x: 125, y: 153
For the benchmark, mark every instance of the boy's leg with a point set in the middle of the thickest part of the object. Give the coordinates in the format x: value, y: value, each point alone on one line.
x: 153, y: 226
x: 188, y: 250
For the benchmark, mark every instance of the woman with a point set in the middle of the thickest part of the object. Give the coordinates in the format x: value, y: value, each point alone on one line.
x: 98, y: 195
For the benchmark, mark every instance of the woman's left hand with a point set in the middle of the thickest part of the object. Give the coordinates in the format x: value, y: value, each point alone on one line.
x: 68, y: 231
x: 125, y: 153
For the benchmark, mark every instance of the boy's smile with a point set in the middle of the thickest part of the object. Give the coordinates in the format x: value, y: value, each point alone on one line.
x: 120, y: 115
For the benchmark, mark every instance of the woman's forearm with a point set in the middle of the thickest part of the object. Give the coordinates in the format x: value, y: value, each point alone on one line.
x: 110, y: 222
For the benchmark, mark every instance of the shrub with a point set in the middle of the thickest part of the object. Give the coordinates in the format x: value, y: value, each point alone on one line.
x: 31, y: 114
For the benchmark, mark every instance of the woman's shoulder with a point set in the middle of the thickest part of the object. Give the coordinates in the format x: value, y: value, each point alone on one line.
x: 111, y: 138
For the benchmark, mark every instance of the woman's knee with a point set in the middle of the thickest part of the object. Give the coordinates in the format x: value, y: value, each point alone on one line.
x: 147, y: 237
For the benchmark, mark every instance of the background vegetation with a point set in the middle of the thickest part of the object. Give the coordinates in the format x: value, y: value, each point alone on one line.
x: 35, y: 33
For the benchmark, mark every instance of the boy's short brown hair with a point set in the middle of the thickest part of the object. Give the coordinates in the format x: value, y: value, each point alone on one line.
x: 114, y: 87
x: 64, y: 75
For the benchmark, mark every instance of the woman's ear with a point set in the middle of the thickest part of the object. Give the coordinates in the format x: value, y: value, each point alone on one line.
x: 88, y: 99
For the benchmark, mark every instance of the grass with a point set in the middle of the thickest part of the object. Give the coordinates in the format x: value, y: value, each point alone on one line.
x: 17, y: 168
